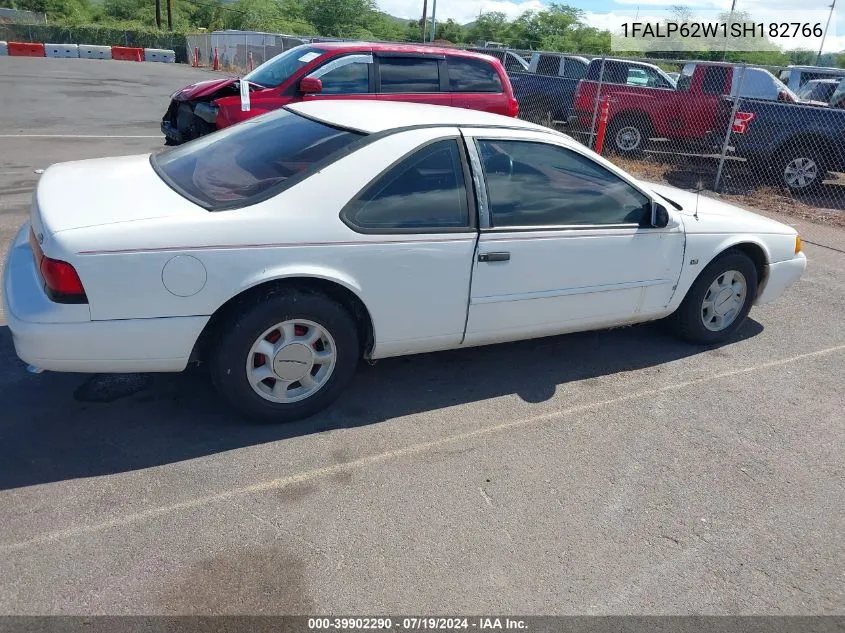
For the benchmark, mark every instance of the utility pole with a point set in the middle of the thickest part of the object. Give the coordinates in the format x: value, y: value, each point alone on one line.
x: 433, y: 18
x: 730, y: 19
x: 829, y: 15
x: 169, y: 17
x: 424, y: 19
x: 158, y: 14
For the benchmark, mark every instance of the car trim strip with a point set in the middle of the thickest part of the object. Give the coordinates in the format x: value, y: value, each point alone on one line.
x: 563, y: 292
x: 470, y: 235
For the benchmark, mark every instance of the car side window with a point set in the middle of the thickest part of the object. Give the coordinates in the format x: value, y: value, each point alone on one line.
x: 538, y: 184
x: 548, y: 65
x: 409, y: 75
x: 574, y: 69
x: 424, y: 192
x: 472, y: 75
x: 715, y: 80
x: 346, y: 75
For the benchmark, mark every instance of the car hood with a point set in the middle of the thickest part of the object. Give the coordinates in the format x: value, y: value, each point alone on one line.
x: 203, y: 88
x: 206, y: 89
x: 703, y: 214
x: 102, y: 191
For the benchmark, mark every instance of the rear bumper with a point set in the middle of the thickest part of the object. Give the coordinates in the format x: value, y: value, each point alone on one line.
x: 781, y: 276
x: 61, y: 337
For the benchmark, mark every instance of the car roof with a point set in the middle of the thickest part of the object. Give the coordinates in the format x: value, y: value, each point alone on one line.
x: 372, y: 116
x: 387, y: 47
x: 821, y: 69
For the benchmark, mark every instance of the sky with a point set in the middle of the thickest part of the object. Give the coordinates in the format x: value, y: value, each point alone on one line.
x: 610, y: 14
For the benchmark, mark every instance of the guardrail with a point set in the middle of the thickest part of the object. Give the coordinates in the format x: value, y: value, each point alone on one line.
x: 87, y: 51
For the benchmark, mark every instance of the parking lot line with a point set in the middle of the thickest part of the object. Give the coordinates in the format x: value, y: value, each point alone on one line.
x: 281, y: 482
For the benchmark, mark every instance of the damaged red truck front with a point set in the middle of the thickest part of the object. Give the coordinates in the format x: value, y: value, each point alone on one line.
x: 343, y: 70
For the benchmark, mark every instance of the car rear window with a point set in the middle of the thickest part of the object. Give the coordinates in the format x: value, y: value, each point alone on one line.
x: 252, y: 161
x: 472, y: 75
x: 409, y: 75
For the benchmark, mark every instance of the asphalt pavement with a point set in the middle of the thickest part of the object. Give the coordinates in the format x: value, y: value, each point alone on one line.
x: 610, y: 472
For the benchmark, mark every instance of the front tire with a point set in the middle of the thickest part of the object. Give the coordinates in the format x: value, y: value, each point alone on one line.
x: 285, y: 357
x: 719, y: 301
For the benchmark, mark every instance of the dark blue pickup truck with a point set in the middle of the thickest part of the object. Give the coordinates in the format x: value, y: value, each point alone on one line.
x: 797, y: 144
x: 546, y: 91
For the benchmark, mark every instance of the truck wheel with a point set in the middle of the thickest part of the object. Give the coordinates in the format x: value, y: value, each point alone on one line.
x: 285, y: 357
x: 629, y: 134
x: 802, y: 169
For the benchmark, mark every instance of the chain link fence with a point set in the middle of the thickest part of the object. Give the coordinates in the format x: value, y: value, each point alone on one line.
x: 732, y: 130
x: 240, y: 51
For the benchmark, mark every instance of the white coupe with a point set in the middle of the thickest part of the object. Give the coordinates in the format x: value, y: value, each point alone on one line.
x: 282, y: 250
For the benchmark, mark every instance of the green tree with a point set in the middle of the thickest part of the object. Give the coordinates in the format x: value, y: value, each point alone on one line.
x: 449, y: 30
x: 489, y: 27
x: 338, y: 18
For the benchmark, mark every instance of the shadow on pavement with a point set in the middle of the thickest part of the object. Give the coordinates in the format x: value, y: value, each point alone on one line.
x: 46, y: 435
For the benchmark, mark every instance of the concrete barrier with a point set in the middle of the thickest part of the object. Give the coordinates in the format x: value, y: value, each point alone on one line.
x: 61, y: 50
x: 4, y: 50
x: 127, y: 53
x: 25, y: 49
x: 159, y: 55
x: 89, y: 51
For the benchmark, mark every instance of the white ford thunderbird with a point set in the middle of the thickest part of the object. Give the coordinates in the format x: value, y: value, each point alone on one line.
x: 283, y: 249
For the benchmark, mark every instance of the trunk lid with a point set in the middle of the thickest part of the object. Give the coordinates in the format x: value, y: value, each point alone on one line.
x: 102, y: 191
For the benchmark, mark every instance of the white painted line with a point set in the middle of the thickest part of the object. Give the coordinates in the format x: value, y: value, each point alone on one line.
x: 79, y: 136
x: 281, y: 482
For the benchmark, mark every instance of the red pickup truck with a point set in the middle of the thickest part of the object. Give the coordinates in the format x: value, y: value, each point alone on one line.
x: 646, y: 103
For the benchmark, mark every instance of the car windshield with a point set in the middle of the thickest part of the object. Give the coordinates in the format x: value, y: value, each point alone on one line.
x: 251, y: 161
x: 274, y: 72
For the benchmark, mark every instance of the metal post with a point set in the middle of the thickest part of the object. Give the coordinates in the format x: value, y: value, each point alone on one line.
x: 730, y: 129
x: 433, y: 18
x: 730, y: 17
x: 596, y: 105
x: 424, y: 19
x: 824, y: 35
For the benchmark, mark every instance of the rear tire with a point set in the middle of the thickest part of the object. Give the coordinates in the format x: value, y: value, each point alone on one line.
x: 719, y: 301
x: 802, y: 169
x: 285, y: 357
x: 628, y: 134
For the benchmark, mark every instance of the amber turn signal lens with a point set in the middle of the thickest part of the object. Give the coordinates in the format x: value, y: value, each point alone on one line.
x: 797, y: 244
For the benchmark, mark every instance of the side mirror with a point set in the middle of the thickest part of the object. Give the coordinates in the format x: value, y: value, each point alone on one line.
x: 659, y: 216
x: 310, y: 85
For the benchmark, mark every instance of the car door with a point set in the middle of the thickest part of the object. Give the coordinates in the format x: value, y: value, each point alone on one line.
x: 566, y: 241
x: 412, y: 77
x: 345, y: 77
x: 697, y: 99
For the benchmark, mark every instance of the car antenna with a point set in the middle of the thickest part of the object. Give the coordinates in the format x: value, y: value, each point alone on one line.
x: 697, y: 196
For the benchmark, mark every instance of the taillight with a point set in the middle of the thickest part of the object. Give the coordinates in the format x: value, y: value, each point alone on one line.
x: 61, y: 282
x: 513, y: 107
x: 741, y: 122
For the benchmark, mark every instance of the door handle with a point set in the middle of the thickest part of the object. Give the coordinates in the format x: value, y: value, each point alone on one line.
x: 494, y: 257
